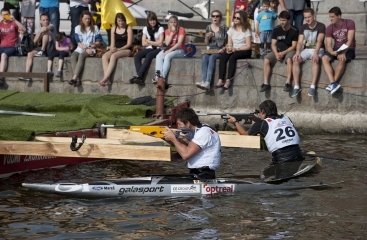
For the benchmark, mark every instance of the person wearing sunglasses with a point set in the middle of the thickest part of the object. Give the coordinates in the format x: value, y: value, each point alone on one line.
x: 238, y: 47
x: 215, y: 38
x: 279, y: 133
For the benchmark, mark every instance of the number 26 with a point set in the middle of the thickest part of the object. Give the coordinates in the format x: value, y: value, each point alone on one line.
x: 288, y: 132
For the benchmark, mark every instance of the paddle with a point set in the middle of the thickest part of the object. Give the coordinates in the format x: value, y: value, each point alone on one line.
x: 328, y: 157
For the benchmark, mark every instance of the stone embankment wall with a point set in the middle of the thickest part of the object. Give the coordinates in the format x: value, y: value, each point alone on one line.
x: 345, y: 111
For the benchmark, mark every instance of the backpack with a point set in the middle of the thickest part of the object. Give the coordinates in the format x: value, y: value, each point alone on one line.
x: 250, y: 9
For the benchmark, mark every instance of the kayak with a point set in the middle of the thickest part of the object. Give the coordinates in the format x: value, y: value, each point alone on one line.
x: 160, y: 185
x: 282, y: 172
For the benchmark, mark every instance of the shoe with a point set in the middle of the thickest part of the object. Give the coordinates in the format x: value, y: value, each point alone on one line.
x: 155, y: 80
x: 328, y: 88
x: 77, y: 83
x: 227, y: 84
x: 199, y: 84
x: 220, y: 83
x: 205, y: 85
x: 2, y: 81
x: 311, y: 92
x: 264, y: 87
x: 40, y: 54
x: 58, y: 74
x: 132, y: 80
x: 139, y: 81
x: 334, y: 87
x: 50, y: 73
x: 24, y: 79
x: 287, y: 87
x: 72, y: 82
x: 296, y: 91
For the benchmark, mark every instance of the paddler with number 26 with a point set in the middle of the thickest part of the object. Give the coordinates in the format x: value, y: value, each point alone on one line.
x: 202, y: 153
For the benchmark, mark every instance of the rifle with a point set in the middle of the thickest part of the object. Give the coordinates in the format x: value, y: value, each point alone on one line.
x: 247, y: 117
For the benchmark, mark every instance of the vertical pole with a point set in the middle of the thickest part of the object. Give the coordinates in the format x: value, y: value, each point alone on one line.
x: 159, y: 105
x: 228, y: 14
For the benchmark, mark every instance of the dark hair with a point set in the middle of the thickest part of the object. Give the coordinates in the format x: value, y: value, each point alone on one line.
x: 82, y: 26
x: 5, y: 10
x: 284, y: 14
x: 309, y: 10
x: 219, y: 13
x: 266, y: 2
x: 336, y: 11
x: 269, y: 107
x: 59, y: 35
x: 151, y: 16
x: 44, y: 14
x: 188, y: 115
x: 120, y: 16
x: 245, y: 24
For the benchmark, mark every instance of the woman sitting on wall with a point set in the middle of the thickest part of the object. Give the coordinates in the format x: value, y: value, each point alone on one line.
x: 175, y: 42
x: 215, y: 38
x: 87, y: 37
x: 152, y: 39
x: 121, y: 43
x: 238, y: 47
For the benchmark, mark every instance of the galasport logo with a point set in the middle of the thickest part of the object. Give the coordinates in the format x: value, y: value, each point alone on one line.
x: 185, y: 189
x: 140, y: 190
x: 214, y: 188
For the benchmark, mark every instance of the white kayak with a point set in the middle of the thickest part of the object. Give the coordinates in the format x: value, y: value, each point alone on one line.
x: 159, y: 186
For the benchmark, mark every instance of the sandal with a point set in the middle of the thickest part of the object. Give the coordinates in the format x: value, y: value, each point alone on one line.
x: 228, y: 84
x: 220, y: 83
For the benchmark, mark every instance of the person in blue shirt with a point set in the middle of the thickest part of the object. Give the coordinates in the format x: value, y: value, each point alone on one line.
x: 264, y: 27
x: 51, y: 8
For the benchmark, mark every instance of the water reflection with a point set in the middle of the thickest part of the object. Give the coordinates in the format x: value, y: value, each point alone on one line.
x: 332, y: 213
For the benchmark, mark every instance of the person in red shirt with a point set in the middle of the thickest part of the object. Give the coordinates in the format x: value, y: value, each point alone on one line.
x: 8, y: 38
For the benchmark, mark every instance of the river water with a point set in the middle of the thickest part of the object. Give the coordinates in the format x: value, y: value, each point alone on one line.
x: 338, y: 212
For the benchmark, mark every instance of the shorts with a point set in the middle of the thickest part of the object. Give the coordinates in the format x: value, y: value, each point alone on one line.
x: 271, y: 57
x: 350, y: 55
x: 307, y: 53
x: 9, y: 51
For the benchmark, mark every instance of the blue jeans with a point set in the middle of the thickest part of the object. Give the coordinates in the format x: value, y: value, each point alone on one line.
x: 53, y: 15
x: 265, y: 37
x: 163, y: 63
x: 208, y: 66
x: 297, y: 18
x: 148, y: 54
x: 74, y: 17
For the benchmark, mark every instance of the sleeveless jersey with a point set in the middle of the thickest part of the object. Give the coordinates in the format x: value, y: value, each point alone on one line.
x: 281, y: 134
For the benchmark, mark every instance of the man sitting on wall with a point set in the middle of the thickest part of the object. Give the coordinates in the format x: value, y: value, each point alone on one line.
x: 44, y: 39
x: 342, y: 31
x: 283, y: 45
x: 8, y: 38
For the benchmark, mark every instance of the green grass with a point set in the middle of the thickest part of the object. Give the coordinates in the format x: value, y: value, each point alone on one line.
x: 73, y: 112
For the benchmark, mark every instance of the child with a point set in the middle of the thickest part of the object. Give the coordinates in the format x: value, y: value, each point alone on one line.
x: 264, y: 26
x: 63, y: 46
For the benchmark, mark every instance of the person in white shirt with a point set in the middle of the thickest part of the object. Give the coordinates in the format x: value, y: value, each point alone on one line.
x: 202, y: 153
x: 76, y: 9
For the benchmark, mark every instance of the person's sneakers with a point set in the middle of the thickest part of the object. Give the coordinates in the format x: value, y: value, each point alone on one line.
x: 199, y: 84
x: 2, y: 81
x: 205, y: 85
x: 40, y: 54
x: 334, y: 87
x: 155, y: 80
x: 72, y: 82
x: 296, y: 91
x: 50, y: 73
x: 25, y: 79
x: 132, y: 80
x: 311, y: 92
x: 328, y: 88
x: 287, y: 87
x: 139, y: 81
x: 264, y: 87
x: 58, y: 74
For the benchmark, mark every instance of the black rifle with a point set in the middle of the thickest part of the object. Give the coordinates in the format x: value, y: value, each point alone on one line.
x: 247, y: 117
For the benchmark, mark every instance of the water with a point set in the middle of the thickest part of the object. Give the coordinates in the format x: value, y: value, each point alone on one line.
x: 339, y: 212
